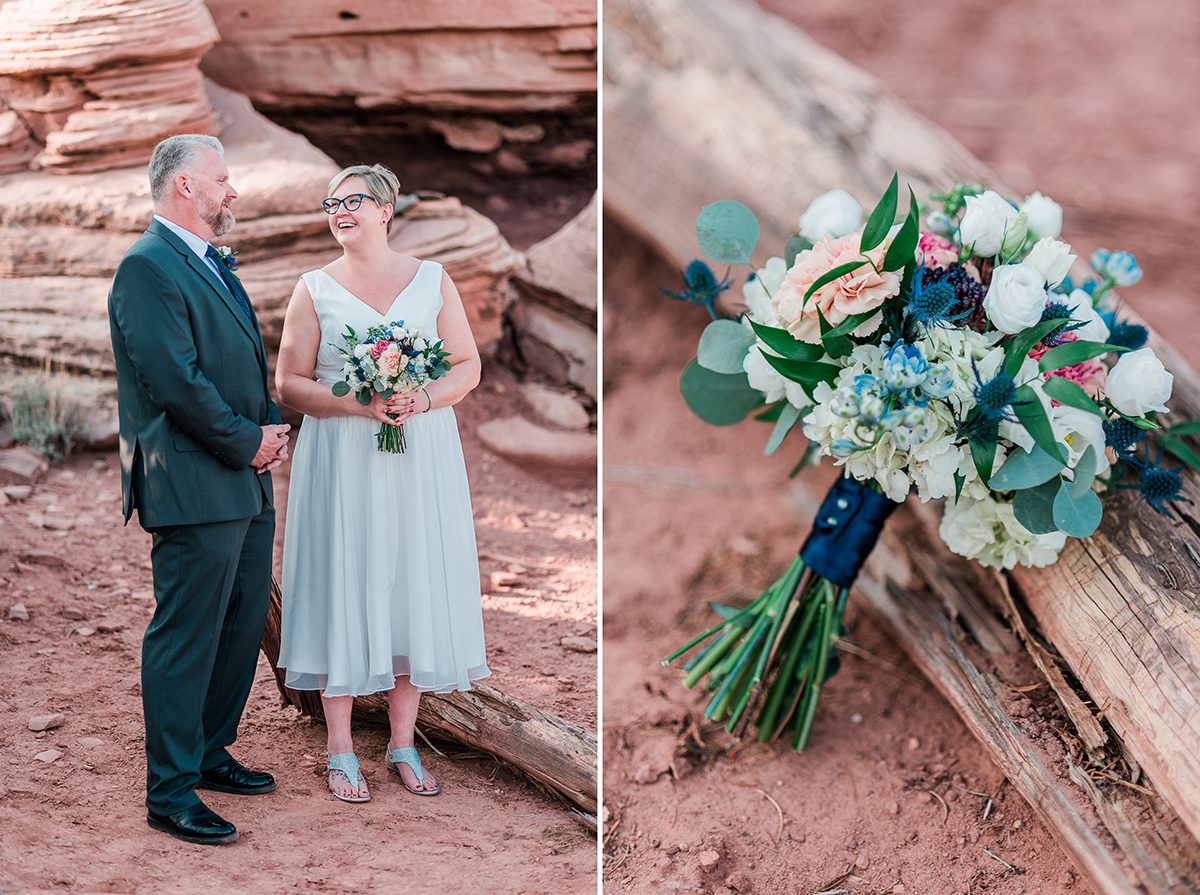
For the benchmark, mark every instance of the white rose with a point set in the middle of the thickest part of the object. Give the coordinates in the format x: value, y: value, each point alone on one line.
x: 831, y: 214
x: 1079, y: 430
x: 1139, y: 383
x: 1094, y: 328
x: 986, y: 220
x: 1044, y: 214
x: 1052, y: 258
x: 1016, y: 297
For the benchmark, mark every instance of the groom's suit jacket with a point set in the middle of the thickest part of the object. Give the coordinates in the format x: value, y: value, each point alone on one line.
x: 192, y: 388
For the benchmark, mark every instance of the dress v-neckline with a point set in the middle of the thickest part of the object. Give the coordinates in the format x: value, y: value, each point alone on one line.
x: 399, y: 295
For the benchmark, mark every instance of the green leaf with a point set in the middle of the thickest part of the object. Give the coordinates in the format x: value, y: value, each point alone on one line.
x: 1085, y: 473
x: 723, y: 346
x: 807, y: 373
x: 1064, y: 391
x: 1181, y: 451
x: 1187, y: 427
x: 1032, y: 414
x: 851, y: 323
x: 717, y: 398
x: 1073, y: 353
x: 830, y: 275
x: 794, y: 247
x: 783, y: 342
x: 787, y: 419
x: 387, y: 393
x: 340, y: 389
x: 1079, y: 516
x: 727, y: 231
x: 959, y: 481
x: 364, y: 397
x: 881, y: 218
x: 1026, y: 470
x: 1034, y: 507
x: 1018, y: 347
x: 983, y: 454
x: 836, y: 345
x: 903, y: 249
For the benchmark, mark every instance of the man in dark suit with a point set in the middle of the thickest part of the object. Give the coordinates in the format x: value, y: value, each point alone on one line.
x: 199, y: 436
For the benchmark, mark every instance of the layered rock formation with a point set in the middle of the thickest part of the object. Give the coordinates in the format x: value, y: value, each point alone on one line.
x: 97, y: 83
x: 62, y: 237
x: 512, y: 79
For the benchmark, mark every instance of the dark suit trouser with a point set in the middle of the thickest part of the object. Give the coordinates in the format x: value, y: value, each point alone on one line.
x: 212, y: 584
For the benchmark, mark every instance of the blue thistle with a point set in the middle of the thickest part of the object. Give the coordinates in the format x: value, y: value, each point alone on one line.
x: 1128, y: 335
x: 1159, y: 485
x: 930, y: 303
x: 1053, y: 311
x: 1121, y: 435
x: 994, y: 397
x: 701, y: 287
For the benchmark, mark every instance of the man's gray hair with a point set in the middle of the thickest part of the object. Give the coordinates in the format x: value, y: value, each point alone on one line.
x: 171, y: 155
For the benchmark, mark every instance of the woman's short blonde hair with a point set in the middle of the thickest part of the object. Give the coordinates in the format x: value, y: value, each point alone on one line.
x: 382, y: 184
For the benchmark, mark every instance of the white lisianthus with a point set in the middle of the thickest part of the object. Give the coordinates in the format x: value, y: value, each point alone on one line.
x: 420, y: 344
x: 763, y: 377
x: 987, y: 530
x: 1016, y: 297
x: 1139, y: 383
x: 1079, y: 430
x: 831, y: 214
x: 985, y: 222
x: 766, y: 379
x: 1094, y: 328
x: 1044, y: 214
x: 362, y: 350
x: 1052, y: 258
x: 758, y: 291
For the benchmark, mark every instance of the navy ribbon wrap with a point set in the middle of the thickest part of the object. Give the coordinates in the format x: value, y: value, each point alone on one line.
x: 844, y: 533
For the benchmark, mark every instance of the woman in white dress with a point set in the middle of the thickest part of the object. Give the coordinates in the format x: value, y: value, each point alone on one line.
x: 380, y: 570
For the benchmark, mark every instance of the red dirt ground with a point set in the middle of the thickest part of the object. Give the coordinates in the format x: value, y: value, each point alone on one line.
x: 78, y: 824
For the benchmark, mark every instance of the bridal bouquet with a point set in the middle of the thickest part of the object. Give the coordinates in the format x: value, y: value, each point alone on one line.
x: 957, y: 359
x: 390, y: 358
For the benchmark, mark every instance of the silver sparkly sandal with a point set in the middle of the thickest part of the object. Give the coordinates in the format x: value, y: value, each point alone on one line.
x: 408, y: 755
x: 346, y: 764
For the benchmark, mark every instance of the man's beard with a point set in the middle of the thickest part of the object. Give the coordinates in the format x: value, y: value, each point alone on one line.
x: 219, y: 217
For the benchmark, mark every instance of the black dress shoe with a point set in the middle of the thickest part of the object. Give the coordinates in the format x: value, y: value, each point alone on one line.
x: 195, y: 824
x: 232, y: 777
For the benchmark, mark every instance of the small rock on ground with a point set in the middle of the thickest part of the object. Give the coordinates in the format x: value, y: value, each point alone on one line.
x: 48, y: 756
x: 18, y: 613
x: 579, y: 644
x: 708, y: 860
x: 46, y: 722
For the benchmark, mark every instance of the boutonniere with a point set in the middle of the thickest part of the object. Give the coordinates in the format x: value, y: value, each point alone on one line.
x: 228, y: 257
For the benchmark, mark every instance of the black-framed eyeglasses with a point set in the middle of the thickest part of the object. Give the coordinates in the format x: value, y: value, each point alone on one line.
x: 352, y: 202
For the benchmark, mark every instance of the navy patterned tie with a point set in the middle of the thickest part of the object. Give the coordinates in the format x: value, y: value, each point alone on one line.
x: 230, y: 281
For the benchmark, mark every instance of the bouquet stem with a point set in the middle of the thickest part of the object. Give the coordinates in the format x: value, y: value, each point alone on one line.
x: 390, y: 439
x: 769, y: 661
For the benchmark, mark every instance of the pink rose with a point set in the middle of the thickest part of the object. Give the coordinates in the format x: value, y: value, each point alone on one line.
x: 1089, y: 375
x: 935, y: 251
x: 853, y: 293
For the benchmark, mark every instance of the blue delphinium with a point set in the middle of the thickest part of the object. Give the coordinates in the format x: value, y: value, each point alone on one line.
x: 700, y: 287
x: 1119, y: 267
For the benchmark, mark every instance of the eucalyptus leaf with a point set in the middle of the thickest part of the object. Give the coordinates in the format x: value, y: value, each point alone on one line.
x: 1026, y: 470
x: 1018, y: 347
x: 1073, y: 353
x: 783, y: 342
x: 341, y: 389
x: 1079, y: 516
x: 364, y: 397
x: 1085, y: 473
x: 1034, y: 507
x: 719, y: 399
x: 881, y: 218
x: 787, y: 419
x: 794, y: 247
x: 1064, y: 391
x: 771, y: 414
x: 727, y: 231
x: 723, y: 346
x: 1032, y: 414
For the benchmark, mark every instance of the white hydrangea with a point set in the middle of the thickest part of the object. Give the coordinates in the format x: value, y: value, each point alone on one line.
x: 987, y: 530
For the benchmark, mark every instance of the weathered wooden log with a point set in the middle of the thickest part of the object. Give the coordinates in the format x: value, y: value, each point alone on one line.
x: 708, y: 100
x: 558, y: 755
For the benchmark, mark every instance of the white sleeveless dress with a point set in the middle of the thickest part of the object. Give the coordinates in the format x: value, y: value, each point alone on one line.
x: 380, y: 569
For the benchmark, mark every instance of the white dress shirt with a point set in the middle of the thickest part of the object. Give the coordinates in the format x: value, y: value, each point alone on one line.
x: 193, y: 242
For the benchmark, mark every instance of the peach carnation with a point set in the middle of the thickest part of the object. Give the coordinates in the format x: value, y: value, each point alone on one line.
x: 853, y: 293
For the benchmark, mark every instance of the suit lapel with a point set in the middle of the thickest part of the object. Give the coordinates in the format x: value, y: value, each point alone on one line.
x: 250, y: 327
